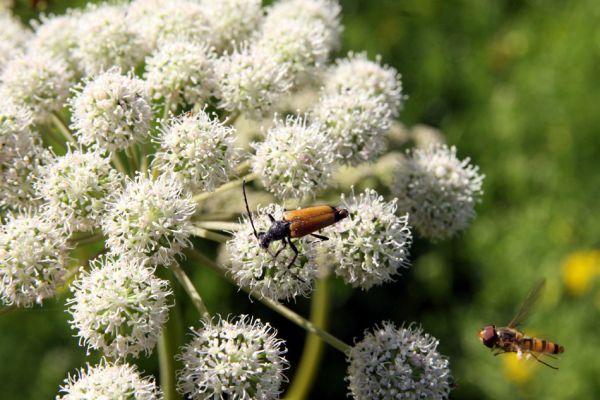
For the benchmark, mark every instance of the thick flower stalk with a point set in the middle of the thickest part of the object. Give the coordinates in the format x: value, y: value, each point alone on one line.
x: 398, y: 363
x: 33, y: 259
x: 370, y: 246
x: 119, y: 307
x: 199, y: 150
x: 109, y: 381
x: 111, y: 111
x: 239, y: 359
x: 74, y: 188
x: 149, y: 220
x: 438, y: 190
x: 259, y: 271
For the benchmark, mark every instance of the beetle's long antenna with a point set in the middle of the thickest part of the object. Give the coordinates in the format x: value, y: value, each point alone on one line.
x: 248, y: 208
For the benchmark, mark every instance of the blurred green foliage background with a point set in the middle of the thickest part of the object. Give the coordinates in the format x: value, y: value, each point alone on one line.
x: 515, y: 85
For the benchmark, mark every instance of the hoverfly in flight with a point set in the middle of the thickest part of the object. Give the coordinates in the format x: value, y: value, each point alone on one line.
x: 509, y: 339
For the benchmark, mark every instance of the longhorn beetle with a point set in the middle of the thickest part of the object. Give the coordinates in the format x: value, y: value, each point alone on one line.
x: 295, y: 224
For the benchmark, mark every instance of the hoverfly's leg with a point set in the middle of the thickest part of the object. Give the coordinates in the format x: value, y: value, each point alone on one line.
x: 519, y: 354
x: 321, y: 237
x: 549, y: 355
x: 545, y: 363
x: 497, y: 353
x: 281, y: 249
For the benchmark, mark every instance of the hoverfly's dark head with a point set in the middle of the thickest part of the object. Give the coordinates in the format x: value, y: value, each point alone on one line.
x: 488, y: 336
x: 264, y: 240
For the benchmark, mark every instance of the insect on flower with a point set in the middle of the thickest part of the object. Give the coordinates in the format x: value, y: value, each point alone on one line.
x: 510, y: 340
x: 295, y: 224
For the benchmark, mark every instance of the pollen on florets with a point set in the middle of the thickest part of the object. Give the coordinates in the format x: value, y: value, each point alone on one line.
x: 109, y: 381
x: 398, y: 363
x: 438, y: 190
x: 119, y: 307
x: 21, y: 156
x: 250, y: 81
x: 105, y: 40
x: 325, y: 11
x: 37, y: 81
x: 149, y: 220
x: 199, y: 151
x: 372, y: 244
x: 237, y: 359
x: 295, y: 159
x: 256, y: 269
x: 356, y: 123
x: 33, y: 259
x: 74, y: 188
x: 111, y: 111
x: 231, y: 22
x: 182, y: 72
x: 13, y: 37
x: 357, y: 72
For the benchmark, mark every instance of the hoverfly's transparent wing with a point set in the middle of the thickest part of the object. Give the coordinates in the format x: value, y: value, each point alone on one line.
x: 528, y: 304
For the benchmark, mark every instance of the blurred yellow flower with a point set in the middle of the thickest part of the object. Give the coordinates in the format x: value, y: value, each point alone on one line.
x: 580, y: 269
x: 518, y: 371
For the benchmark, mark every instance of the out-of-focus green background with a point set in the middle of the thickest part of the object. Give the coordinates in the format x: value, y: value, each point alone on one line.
x: 515, y: 85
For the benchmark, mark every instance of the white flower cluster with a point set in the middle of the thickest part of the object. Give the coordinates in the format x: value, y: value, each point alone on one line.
x: 33, y: 259
x: 149, y: 220
x: 371, y: 244
x: 13, y: 37
x: 119, y: 307
x: 398, y: 363
x: 74, y: 188
x: 295, y: 159
x: 109, y: 381
x: 438, y: 190
x: 258, y: 270
x: 238, y: 359
x: 21, y: 156
x: 198, y: 150
x: 112, y: 111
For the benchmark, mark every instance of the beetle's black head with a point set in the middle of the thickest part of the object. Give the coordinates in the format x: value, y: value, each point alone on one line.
x: 488, y: 336
x: 264, y: 240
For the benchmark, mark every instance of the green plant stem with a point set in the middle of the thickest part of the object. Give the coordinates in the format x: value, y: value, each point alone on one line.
x: 133, y: 158
x: 168, y: 345
x: 218, y: 225
x: 88, y: 239
x: 313, y: 346
x: 55, y: 140
x: 243, y: 167
x: 144, y: 157
x: 119, y: 164
x: 229, y: 185
x: 62, y: 127
x: 189, y: 288
x: 210, y: 235
x: 275, y: 306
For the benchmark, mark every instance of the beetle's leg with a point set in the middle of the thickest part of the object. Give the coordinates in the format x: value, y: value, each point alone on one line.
x: 296, y: 252
x: 545, y: 363
x: 321, y: 237
x: 272, y: 218
x: 281, y: 249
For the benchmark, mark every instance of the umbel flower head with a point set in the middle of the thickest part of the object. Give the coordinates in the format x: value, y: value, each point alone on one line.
x: 398, y: 363
x: 198, y: 150
x: 238, y: 359
x: 251, y: 81
x: 111, y: 111
x: 106, y: 40
x: 119, y: 307
x: 21, y: 155
x: 356, y: 123
x: 33, y: 257
x: 295, y: 159
x: 13, y: 36
x: 372, y: 244
x: 254, y: 268
x: 37, y: 81
x: 74, y: 187
x: 438, y: 190
x: 149, y: 220
x: 109, y: 381
x: 181, y: 72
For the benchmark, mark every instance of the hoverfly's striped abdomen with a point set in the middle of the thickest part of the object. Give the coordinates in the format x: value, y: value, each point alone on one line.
x: 308, y: 220
x: 540, y: 346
